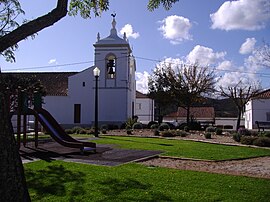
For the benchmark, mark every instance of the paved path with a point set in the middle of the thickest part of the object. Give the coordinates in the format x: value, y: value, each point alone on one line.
x: 105, y: 154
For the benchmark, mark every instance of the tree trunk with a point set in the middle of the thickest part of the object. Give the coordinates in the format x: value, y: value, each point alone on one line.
x: 188, y: 115
x: 12, y: 179
x: 34, y: 26
x: 238, y: 119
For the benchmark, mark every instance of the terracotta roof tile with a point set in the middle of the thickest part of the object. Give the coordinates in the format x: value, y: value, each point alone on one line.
x: 197, y: 112
x: 55, y: 83
x: 141, y: 95
x: 263, y: 95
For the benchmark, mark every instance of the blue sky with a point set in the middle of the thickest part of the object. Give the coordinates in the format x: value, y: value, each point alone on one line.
x: 218, y: 33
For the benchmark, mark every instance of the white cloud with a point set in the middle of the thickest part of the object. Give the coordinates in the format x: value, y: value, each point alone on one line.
x: 248, y: 46
x: 174, y: 63
x: 241, y: 14
x: 142, y: 81
x: 176, y: 29
x: 233, y: 78
x: 52, y: 61
x: 225, y: 65
x: 128, y: 29
x: 204, y: 56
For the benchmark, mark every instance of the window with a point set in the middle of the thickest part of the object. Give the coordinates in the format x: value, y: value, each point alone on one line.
x: 83, y: 84
x: 267, y: 116
x: 77, y: 113
x: 110, y: 65
x: 138, y: 106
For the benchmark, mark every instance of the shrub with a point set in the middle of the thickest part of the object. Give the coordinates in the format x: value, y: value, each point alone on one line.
x: 167, y: 133
x: 248, y: 140
x: 82, y: 131
x: 137, y: 125
x: 180, y: 133
x: 149, y: 125
x: 186, y: 128
x: 154, y: 126
x: 264, y: 134
x: 210, y: 129
x: 69, y: 131
x: 207, y: 135
x: 262, y: 142
x: 182, y: 126
x: 244, y: 132
x: 104, y: 126
x: 218, y: 131
x: 163, y: 126
x: 130, y: 122
x: 236, y: 137
x: 171, y: 126
x: 267, y: 134
x: 76, y: 130
x: 91, y: 131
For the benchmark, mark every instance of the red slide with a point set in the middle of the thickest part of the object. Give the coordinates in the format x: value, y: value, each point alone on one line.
x: 58, y: 133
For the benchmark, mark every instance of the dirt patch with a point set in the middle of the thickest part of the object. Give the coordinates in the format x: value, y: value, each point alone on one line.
x: 255, y: 167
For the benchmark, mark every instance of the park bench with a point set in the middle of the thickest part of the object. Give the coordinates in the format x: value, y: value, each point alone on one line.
x: 262, y: 125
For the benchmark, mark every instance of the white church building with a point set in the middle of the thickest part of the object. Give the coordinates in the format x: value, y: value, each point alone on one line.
x: 71, y: 95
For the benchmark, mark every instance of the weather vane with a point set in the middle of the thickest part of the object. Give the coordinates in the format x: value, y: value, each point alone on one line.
x: 113, y: 14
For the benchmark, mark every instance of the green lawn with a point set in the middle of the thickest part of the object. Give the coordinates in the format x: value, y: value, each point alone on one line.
x: 62, y: 181
x: 183, y: 148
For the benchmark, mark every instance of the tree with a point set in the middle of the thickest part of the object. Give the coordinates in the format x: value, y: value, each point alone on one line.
x: 240, y: 94
x: 12, y: 180
x: 262, y: 54
x: 185, y: 85
x: 158, y: 92
x: 13, y: 186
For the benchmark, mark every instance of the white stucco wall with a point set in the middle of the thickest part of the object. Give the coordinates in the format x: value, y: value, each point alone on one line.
x: 256, y: 110
x: 144, y: 109
x: 223, y: 121
x: 248, y: 115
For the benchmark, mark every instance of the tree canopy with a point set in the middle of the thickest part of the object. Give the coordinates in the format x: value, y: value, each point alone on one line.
x: 240, y: 94
x: 184, y: 85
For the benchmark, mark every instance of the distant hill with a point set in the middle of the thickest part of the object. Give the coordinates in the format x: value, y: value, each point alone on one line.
x: 223, y: 107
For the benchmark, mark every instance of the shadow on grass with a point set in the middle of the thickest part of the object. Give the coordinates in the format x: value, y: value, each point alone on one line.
x: 126, y: 189
x: 55, y: 181
x: 122, y: 139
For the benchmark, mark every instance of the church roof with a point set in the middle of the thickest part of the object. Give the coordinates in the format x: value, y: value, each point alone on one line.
x: 113, y: 38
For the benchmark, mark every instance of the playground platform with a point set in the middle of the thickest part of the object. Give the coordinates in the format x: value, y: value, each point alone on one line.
x: 106, y: 155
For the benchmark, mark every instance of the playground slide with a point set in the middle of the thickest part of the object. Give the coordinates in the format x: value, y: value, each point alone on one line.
x: 58, y: 133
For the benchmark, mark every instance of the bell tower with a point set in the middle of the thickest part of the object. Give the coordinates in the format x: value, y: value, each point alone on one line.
x: 113, y: 56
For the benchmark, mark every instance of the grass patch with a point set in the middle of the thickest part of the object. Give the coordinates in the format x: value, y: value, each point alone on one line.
x: 183, y: 148
x: 62, y: 181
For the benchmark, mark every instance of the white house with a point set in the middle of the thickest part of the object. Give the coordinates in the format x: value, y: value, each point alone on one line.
x: 144, y: 108
x: 258, y: 109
